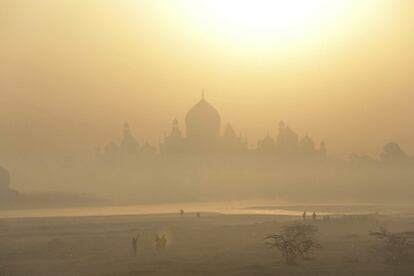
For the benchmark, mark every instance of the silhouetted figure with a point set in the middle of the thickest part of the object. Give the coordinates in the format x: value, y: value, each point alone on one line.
x: 157, y: 242
x: 163, y: 242
x: 135, y: 244
x: 198, y: 214
x: 314, y: 216
x: 181, y: 212
x: 304, y: 215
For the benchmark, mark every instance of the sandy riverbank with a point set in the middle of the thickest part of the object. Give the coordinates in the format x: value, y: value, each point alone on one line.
x: 215, y: 244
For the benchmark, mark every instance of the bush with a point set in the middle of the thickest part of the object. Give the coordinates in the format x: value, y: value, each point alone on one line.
x: 294, y: 241
x: 396, y: 246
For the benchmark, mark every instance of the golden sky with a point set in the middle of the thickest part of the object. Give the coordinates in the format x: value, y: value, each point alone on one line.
x: 72, y: 72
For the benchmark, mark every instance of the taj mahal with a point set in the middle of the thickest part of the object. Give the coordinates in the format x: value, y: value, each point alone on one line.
x: 204, y: 136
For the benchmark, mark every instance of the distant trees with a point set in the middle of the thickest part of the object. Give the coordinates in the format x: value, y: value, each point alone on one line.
x: 295, y: 241
x: 393, y: 154
x: 396, y: 246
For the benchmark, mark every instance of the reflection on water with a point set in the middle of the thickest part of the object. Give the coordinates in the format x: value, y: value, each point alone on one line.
x: 232, y: 207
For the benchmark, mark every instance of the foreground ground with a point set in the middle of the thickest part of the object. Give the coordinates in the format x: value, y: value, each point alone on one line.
x: 213, y: 244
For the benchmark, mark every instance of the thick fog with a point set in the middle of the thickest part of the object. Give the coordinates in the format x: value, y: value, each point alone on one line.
x: 97, y: 97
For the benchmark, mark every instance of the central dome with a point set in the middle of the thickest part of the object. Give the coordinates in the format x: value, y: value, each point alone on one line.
x: 203, y: 123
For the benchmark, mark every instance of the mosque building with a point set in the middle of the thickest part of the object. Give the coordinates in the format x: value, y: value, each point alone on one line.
x: 203, y: 135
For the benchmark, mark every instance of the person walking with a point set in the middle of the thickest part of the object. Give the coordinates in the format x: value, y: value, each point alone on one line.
x: 157, y: 242
x: 163, y: 242
x: 135, y: 244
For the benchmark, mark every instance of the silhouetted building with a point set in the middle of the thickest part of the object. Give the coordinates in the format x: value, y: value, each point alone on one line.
x: 287, y: 140
x: 267, y: 145
x: 232, y: 143
x: 129, y: 144
x: 148, y: 150
x: 307, y: 146
x: 203, y: 137
x: 203, y: 127
x: 174, y: 143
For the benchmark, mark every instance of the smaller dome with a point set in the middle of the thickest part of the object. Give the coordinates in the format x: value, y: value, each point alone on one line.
x: 267, y: 144
x: 307, y: 144
x: 307, y: 141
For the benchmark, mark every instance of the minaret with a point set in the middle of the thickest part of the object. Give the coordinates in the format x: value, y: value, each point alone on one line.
x: 129, y: 143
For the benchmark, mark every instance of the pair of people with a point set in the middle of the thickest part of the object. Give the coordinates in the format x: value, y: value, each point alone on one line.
x: 160, y: 242
x: 197, y: 214
x: 313, y: 215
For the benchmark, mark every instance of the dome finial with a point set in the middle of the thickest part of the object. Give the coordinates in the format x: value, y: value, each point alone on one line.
x: 202, y: 94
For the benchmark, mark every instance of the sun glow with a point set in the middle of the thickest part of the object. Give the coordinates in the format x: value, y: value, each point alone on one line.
x: 249, y: 28
x: 275, y: 23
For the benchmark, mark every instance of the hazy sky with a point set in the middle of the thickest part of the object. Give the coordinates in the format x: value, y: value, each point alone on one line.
x: 72, y: 72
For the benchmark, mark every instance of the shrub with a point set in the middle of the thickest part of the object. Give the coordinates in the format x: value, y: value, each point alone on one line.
x: 294, y: 241
x: 396, y: 246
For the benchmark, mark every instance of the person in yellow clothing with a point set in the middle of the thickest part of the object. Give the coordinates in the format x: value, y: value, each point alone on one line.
x: 163, y: 242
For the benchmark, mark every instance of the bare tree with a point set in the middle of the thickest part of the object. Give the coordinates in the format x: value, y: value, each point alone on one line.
x: 294, y: 241
x: 396, y: 246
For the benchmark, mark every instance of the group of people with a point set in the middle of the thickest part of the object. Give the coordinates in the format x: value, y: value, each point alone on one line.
x: 313, y: 215
x: 160, y: 243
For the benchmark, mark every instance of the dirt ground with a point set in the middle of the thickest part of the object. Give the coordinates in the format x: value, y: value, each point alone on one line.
x: 213, y: 244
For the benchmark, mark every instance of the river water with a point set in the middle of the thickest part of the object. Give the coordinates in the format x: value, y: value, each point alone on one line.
x: 228, y: 207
